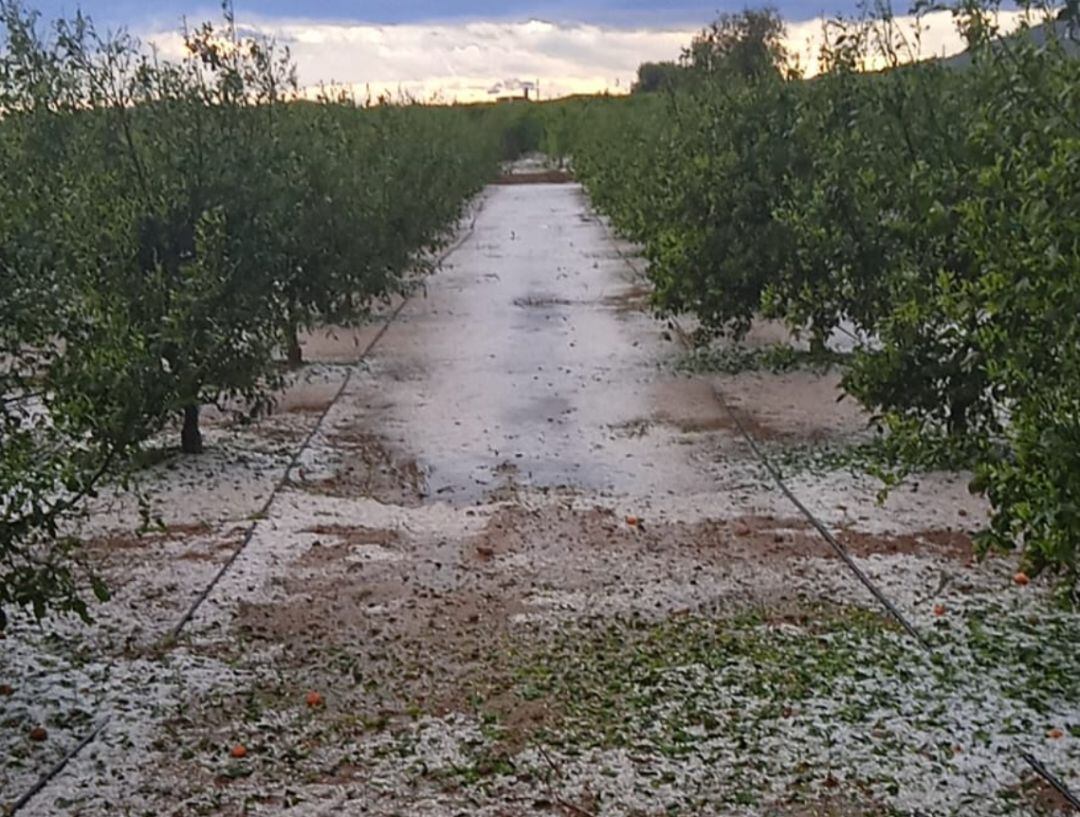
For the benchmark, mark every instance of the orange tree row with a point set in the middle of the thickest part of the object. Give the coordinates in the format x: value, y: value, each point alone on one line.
x: 166, y: 228
x: 932, y: 207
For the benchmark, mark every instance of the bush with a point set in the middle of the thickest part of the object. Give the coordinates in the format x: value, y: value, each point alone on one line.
x: 932, y: 207
x: 165, y: 231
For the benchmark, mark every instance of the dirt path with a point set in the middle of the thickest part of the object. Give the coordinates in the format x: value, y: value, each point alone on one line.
x: 531, y: 569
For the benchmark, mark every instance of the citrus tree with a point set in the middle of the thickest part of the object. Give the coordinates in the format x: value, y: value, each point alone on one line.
x: 930, y: 205
x: 166, y: 227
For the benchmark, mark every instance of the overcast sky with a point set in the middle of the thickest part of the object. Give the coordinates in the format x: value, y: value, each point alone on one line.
x: 619, y: 13
x: 471, y: 49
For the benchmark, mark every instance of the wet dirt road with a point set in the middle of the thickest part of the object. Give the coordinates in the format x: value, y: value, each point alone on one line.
x: 528, y: 568
x: 530, y: 364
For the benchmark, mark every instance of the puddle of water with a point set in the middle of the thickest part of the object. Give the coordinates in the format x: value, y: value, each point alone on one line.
x: 532, y: 357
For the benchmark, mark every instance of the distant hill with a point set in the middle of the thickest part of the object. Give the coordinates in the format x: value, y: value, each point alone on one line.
x: 1039, y: 35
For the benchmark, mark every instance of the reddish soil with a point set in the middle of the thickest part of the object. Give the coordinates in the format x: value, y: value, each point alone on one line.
x: 371, y: 468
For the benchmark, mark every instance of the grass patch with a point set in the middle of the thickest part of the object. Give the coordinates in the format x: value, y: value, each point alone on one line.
x: 891, y: 458
x: 747, y: 711
x: 676, y: 683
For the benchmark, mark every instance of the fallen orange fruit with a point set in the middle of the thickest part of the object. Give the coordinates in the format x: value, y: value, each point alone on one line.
x: 1021, y: 578
x: 239, y: 751
x: 632, y: 520
x: 1055, y: 734
x: 314, y: 699
x: 38, y: 734
x: 939, y: 609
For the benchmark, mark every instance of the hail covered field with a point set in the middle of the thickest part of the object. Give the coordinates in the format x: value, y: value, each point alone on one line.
x: 501, y: 552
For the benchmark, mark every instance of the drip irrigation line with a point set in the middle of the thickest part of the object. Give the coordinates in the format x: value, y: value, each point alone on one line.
x: 1030, y: 759
x: 262, y: 513
x: 284, y: 480
x: 59, y: 767
x: 826, y: 534
x: 1036, y: 765
x: 1040, y: 769
x: 249, y: 534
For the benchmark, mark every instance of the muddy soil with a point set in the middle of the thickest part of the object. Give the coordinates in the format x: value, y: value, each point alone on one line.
x: 526, y: 566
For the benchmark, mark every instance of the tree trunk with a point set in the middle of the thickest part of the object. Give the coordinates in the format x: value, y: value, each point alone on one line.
x: 190, y: 436
x: 295, y: 355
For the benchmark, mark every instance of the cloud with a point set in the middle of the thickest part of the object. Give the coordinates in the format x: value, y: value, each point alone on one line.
x: 143, y: 14
x: 478, y: 60
x: 462, y: 61
x: 932, y: 35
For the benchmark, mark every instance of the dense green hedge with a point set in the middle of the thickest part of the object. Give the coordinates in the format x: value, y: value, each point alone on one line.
x: 931, y: 209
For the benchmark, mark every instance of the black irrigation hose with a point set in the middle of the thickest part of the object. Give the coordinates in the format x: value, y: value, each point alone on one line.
x: 89, y: 738
x: 283, y: 481
x: 1040, y: 769
x: 261, y: 514
x: 59, y: 767
x: 826, y: 534
x: 1036, y: 765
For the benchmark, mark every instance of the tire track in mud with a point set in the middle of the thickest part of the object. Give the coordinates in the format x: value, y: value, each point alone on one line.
x: 1032, y: 761
x: 90, y: 737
